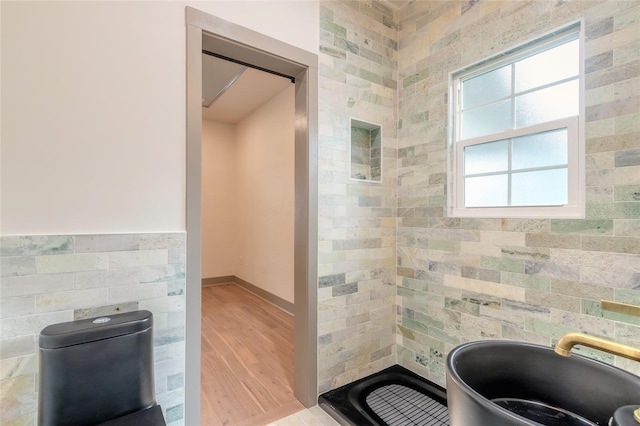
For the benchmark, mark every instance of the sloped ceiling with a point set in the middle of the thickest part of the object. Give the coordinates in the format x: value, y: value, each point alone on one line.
x: 238, y: 91
x: 235, y: 99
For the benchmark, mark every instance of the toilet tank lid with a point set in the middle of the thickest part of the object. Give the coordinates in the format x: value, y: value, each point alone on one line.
x: 89, y: 330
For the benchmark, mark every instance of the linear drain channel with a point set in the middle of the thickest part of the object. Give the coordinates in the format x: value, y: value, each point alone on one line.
x: 399, y: 405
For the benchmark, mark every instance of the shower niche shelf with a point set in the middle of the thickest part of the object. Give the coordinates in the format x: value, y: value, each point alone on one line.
x: 365, y: 151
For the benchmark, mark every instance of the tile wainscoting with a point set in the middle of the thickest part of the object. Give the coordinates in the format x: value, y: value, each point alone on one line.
x: 57, y: 278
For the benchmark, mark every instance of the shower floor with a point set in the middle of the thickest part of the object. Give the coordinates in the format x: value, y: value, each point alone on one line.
x: 393, y: 397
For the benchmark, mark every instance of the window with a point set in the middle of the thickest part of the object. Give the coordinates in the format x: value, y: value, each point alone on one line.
x: 516, y: 139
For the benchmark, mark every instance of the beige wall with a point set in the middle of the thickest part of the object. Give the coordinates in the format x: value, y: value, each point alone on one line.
x: 248, y: 199
x: 265, y: 190
x: 106, y: 81
x: 219, y: 200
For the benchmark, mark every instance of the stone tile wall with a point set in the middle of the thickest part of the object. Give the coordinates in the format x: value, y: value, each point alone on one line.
x: 58, y: 278
x: 366, y: 153
x: 376, y: 154
x: 357, y: 220
x: 392, y: 266
x: 520, y: 279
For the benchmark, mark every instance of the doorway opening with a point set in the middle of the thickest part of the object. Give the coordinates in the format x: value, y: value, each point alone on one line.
x: 247, y: 244
x: 208, y: 33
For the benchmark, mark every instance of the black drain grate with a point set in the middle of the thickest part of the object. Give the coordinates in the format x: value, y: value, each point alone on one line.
x: 399, y: 405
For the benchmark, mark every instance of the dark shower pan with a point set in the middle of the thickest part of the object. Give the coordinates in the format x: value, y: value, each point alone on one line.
x: 392, y: 397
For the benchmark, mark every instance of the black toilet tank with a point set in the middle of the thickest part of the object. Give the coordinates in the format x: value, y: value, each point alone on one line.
x: 95, y: 370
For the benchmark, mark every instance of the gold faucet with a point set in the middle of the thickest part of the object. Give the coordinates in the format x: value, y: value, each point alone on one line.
x: 569, y: 340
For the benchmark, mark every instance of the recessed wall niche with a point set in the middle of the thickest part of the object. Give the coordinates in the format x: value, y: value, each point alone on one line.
x: 365, y: 156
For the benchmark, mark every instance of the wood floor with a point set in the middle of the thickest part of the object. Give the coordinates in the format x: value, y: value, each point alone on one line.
x: 247, y: 359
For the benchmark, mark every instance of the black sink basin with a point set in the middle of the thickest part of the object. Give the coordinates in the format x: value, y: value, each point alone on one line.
x: 504, y: 383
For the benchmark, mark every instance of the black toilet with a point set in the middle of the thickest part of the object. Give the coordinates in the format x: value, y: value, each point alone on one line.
x: 98, y: 371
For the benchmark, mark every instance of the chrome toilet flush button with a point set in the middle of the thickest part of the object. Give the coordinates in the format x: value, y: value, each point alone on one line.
x: 101, y: 320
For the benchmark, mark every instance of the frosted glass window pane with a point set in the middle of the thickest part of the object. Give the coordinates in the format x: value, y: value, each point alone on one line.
x: 486, y: 157
x: 540, y: 150
x: 549, y: 104
x: 546, y: 187
x: 486, y: 87
x: 487, y: 119
x: 547, y: 67
x: 486, y: 191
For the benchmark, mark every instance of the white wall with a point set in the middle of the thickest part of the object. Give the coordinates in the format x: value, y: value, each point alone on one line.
x: 265, y: 177
x: 219, y: 200
x: 93, y: 109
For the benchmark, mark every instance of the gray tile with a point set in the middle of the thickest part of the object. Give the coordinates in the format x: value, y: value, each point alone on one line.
x: 17, y: 266
x: 106, y: 310
x: 629, y: 157
x: 599, y: 29
x: 331, y: 280
x: 599, y: 62
x: 17, y: 346
x: 35, y: 245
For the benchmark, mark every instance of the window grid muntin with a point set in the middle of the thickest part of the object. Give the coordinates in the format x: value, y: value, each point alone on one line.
x: 510, y: 171
x: 521, y: 93
x: 571, y: 126
x: 575, y: 169
x: 514, y: 94
x: 509, y: 58
x: 515, y: 171
x: 566, y: 35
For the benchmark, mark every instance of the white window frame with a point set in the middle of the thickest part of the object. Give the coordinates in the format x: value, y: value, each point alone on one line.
x: 575, y: 207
